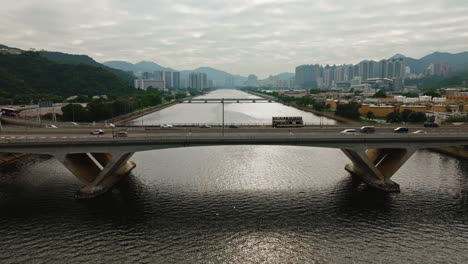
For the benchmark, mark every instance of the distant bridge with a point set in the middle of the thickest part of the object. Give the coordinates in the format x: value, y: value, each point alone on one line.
x: 229, y: 100
x: 100, y: 162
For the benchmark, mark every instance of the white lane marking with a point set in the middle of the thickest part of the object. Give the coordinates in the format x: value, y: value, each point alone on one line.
x: 53, y: 137
x: 31, y: 137
x: 21, y: 138
x: 43, y: 137
x: 64, y: 137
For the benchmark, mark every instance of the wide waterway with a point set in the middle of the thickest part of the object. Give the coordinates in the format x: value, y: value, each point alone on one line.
x: 260, y: 112
x: 236, y: 204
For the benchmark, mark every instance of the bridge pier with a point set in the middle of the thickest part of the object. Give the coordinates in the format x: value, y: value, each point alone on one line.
x: 375, y: 167
x: 99, y: 172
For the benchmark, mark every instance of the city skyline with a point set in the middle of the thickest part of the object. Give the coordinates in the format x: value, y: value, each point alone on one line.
x: 263, y: 37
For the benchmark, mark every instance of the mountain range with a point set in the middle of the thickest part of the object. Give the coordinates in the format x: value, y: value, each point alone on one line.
x: 147, y: 66
x: 457, y: 61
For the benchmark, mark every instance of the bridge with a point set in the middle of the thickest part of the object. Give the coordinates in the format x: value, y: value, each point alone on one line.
x: 228, y: 100
x: 99, y: 162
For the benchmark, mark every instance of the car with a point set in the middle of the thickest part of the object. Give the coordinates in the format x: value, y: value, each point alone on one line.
x: 51, y: 126
x: 110, y: 125
x: 401, y: 130
x: 349, y: 132
x: 430, y: 124
x: 233, y: 126
x: 73, y: 123
x: 121, y: 134
x: 166, y: 126
x: 419, y: 132
x: 97, y: 132
x: 204, y: 126
x: 367, y: 129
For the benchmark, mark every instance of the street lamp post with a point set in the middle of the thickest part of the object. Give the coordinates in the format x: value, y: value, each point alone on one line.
x: 222, y: 101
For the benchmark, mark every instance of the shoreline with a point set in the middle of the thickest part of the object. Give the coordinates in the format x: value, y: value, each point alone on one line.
x: 315, y: 112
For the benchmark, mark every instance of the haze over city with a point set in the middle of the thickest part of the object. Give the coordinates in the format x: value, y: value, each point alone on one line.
x: 259, y: 36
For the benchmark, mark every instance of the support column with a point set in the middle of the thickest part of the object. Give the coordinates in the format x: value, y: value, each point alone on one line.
x: 375, y: 167
x: 99, y: 172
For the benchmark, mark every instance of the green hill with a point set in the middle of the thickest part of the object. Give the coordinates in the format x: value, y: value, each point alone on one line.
x: 29, y: 75
x: 65, y: 58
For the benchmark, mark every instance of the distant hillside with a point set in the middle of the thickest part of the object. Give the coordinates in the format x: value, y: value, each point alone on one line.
x: 29, y: 73
x: 282, y: 76
x: 146, y: 66
x: 143, y: 66
x: 65, y: 58
x: 457, y: 62
x: 216, y: 75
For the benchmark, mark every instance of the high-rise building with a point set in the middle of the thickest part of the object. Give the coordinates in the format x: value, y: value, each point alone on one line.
x: 229, y: 82
x: 306, y: 76
x: 158, y: 75
x: 168, y: 79
x: 145, y: 84
x: 198, y: 80
x: 437, y: 69
x: 176, y: 80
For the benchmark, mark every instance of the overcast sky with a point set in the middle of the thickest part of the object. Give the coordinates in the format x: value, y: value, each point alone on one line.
x: 239, y: 36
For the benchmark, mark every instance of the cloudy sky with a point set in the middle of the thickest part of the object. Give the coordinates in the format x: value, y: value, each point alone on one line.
x: 239, y: 36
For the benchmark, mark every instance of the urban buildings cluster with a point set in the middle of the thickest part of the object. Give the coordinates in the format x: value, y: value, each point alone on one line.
x: 385, y: 73
x: 437, y: 69
x: 172, y: 80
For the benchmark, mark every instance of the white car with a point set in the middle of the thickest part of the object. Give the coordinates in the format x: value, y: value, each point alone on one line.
x: 51, y: 126
x: 419, y: 132
x: 349, y: 132
x: 110, y: 125
x: 97, y: 132
x: 166, y: 126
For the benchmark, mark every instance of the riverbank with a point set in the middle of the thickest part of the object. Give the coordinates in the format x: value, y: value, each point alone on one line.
x: 315, y: 112
x: 120, y: 120
x: 9, y: 158
x: 453, y: 151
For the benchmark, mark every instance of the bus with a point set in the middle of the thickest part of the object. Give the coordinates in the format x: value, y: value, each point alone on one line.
x: 7, y: 111
x: 287, y: 121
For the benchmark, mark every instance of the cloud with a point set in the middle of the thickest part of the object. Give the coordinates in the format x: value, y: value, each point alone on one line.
x: 243, y: 36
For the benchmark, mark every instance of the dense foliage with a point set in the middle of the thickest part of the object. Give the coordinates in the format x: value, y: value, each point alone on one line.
x: 350, y: 110
x: 380, y: 94
x: 101, y: 109
x: 433, y: 83
x: 457, y: 118
x: 65, y: 58
x: 30, y: 76
x: 406, y: 115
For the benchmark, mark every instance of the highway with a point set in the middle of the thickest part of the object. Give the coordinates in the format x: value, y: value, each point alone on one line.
x: 142, y: 132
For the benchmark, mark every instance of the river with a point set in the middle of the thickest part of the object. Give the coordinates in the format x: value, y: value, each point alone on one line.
x: 236, y: 204
x: 234, y: 113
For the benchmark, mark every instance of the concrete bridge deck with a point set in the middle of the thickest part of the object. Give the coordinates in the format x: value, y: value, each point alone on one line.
x: 101, y: 161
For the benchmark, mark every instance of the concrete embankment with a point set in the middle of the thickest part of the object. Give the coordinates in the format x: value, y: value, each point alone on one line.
x: 461, y: 153
x: 134, y: 115
x: 318, y: 113
x: 9, y: 158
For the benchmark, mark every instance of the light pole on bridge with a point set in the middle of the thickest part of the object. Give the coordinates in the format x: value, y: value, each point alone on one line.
x: 222, y: 102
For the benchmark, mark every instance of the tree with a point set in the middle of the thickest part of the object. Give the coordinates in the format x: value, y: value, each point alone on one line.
x: 370, y: 115
x: 393, y: 117
x: 74, y: 112
x: 380, y: 94
x: 350, y: 110
x: 405, y: 114
x: 319, y: 106
x: 432, y: 93
x: 417, y: 117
